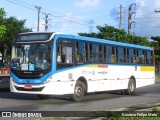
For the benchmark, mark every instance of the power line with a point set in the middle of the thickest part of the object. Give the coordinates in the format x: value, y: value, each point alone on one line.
x: 21, y: 5
x: 43, y: 12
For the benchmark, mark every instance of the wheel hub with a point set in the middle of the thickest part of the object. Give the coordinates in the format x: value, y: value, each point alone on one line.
x: 78, y: 90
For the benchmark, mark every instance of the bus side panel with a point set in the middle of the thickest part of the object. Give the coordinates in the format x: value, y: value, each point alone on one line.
x: 118, y: 77
x: 147, y: 73
x: 64, y: 84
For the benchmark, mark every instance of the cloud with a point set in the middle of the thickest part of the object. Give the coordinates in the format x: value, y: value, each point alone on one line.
x: 87, y: 3
x: 140, y: 2
x: 41, y: 26
x: 20, y: 18
x: 147, y: 20
x: 67, y: 22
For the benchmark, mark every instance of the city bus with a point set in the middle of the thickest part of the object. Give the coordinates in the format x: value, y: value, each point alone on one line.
x: 48, y: 63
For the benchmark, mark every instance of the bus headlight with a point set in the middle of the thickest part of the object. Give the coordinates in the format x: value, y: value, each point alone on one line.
x: 11, y: 79
x: 48, y: 80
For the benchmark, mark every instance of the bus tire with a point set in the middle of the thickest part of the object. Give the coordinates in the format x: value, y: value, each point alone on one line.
x: 79, y: 91
x: 42, y: 96
x: 131, y: 87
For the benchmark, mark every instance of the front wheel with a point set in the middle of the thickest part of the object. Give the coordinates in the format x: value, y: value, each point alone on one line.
x: 131, y: 87
x: 79, y: 91
x: 41, y: 96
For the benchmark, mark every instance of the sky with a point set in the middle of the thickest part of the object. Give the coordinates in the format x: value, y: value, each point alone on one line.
x: 79, y: 16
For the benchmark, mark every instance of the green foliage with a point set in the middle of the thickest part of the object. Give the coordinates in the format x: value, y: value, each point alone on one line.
x: 114, y: 34
x: 156, y: 46
x: 156, y: 110
x: 8, y: 31
x: 2, y: 27
x: 2, y: 30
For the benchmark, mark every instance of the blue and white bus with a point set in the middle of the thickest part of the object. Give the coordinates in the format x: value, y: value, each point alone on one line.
x: 48, y: 63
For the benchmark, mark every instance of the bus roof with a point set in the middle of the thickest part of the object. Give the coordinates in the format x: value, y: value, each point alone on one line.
x: 103, y: 41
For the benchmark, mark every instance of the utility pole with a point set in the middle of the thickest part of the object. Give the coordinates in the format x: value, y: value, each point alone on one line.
x: 130, y: 17
x: 120, y: 19
x: 46, y: 21
x: 38, y: 8
x: 90, y: 22
x: 121, y: 9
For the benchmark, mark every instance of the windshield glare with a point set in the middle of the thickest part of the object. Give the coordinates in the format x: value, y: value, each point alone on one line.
x: 31, y: 57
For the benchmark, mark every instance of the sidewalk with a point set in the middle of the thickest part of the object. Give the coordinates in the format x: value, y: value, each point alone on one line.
x: 140, y: 107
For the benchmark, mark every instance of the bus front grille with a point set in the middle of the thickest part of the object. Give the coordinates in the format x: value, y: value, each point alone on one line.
x: 32, y: 89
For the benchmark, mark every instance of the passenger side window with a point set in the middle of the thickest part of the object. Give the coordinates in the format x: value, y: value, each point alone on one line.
x: 108, y: 54
x: 114, y: 55
x: 80, y: 52
x: 149, y: 59
x: 121, y: 55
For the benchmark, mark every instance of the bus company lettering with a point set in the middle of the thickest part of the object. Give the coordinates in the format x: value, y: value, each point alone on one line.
x: 91, y: 72
x: 102, y: 72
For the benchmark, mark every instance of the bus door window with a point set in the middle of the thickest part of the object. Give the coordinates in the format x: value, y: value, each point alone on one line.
x: 68, y: 54
x: 64, y: 53
x: 108, y: 54
x: 59, y: 54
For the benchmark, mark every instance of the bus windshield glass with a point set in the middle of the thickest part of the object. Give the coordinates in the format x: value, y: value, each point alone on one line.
x: 31, y: 57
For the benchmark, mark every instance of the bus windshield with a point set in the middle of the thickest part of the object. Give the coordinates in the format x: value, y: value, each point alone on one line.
x: 31, y: 57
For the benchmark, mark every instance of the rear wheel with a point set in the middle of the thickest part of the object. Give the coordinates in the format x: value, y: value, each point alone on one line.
x: 42, y: 96
x: 79, y: 91
x: 131, y: 87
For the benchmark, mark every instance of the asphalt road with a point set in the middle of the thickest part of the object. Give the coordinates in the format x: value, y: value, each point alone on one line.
x: 93, y: 102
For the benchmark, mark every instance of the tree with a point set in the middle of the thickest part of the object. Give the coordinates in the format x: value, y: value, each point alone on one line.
x: 2, y: 27
x: 114, y: 34
x: 8, y: 31
x: 156, y: 45
x: 14, y: 27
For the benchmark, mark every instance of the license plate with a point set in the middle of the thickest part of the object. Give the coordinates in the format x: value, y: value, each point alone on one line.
x: 27, y: 87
